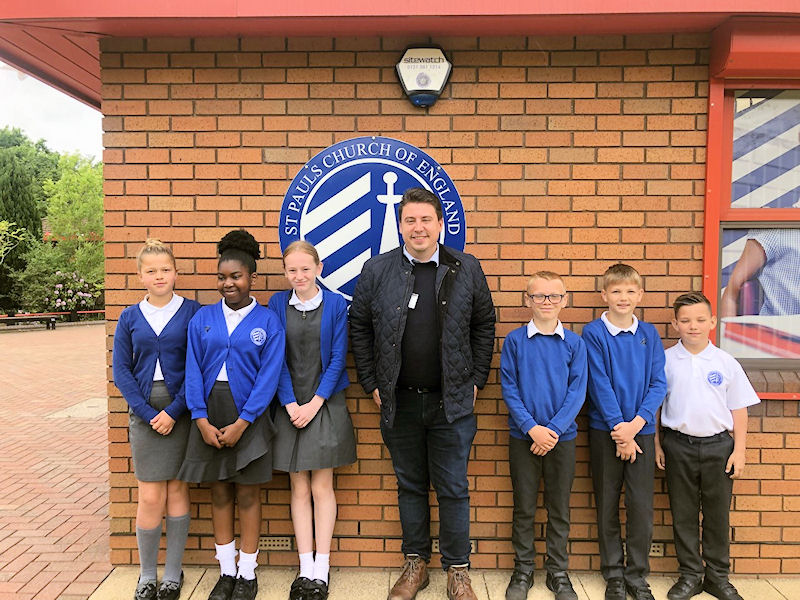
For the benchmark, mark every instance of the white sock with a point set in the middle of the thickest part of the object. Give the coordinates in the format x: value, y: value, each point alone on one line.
x: 321, y: 567
x: 226, y: 555
x: 307, y: 565
x: 247, y: 565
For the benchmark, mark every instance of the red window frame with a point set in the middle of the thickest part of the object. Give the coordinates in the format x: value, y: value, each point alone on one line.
x: 718, y: 210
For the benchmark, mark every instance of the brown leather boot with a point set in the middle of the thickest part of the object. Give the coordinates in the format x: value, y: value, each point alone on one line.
x: 459, y: 586
x: 413, y: 579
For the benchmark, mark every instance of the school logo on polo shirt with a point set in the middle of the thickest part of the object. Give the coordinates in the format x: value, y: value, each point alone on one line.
x: 258, y: 336
x: 714, y: 378
x: 344, y: 201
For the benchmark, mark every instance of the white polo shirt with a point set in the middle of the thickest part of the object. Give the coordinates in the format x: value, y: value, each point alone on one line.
x: 703, y: 389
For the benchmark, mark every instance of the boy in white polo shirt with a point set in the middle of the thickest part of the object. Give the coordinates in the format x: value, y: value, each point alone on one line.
x: 702, y: 448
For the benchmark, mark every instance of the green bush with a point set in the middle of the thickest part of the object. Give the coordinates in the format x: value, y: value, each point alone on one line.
x: 37, y: 281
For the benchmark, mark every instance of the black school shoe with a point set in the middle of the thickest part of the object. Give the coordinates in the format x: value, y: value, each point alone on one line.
x: 170, y: 590
x: 561, y: 586
x: 723, y: 590
x: 245, y: 589
x: 298, y: 589
x: 145, y: 590
x: 223, y: 588
x: 316, y: 590
x: 615, y: 589
x: 519, y: 585
x: 639, y: 593
x: 685, y: 588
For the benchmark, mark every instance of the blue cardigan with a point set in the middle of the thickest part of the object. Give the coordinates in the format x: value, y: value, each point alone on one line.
x: 253, y: 355
x: 333, y: 345
x: 626, y: 375
x: 544, y: 381
x: 136, y: 350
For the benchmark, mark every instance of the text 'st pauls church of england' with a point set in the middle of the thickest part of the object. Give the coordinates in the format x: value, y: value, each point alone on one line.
x: 344, y: 201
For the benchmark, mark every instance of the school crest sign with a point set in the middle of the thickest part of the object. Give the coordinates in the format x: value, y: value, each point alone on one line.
x: 344, y: 201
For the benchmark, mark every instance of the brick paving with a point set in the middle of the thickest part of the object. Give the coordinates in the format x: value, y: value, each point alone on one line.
x: 53, y: 463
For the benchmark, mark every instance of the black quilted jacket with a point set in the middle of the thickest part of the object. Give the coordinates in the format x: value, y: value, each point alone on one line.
x: 466, y: 313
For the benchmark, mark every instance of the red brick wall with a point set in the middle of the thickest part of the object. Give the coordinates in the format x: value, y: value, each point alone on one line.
x: 569, y: 154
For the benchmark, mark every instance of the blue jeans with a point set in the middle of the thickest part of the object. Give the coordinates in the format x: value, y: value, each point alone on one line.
x: 426, y: 450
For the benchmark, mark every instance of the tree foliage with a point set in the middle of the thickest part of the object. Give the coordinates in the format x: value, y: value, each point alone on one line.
x: 39, y: 160
x: 11, y: 236
x: 17, y: 205
x: 75, y: 215
x: 74, y: 242
x: 36, y: 182
x: 17, y: 185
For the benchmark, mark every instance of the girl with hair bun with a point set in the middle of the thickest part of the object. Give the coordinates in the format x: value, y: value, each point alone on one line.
x: 314, y: 429
x: 148, y: 363
x: 233, y: 362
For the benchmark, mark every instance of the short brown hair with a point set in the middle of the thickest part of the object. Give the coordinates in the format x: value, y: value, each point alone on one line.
x: 153, y: 246
x: 690, y: 299
x: 421, y: 195
x: 621, y: 272
x: 547, y: 275
x: 301, y: 246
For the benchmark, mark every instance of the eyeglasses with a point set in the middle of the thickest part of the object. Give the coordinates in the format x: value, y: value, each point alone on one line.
x: 540, y: 298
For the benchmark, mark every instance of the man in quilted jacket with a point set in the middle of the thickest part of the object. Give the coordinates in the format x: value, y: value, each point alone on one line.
x: 422, y: 332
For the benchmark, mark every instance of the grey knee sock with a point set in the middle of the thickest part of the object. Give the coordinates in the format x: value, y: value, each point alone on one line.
x: 147, y: 540
x: 177, y: 532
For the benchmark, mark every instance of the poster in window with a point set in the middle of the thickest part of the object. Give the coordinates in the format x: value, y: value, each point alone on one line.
x: 766, y: 149
x: 760, y: 302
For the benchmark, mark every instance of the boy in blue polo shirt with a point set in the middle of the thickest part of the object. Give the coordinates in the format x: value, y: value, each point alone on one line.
x: 543, y: 373
x: 626, y: 387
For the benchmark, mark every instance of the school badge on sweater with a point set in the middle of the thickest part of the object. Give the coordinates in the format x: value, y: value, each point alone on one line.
x: 344, y: 201
x: 258, y: 336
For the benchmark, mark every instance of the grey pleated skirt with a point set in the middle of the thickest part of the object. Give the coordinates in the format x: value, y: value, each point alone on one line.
x: 249, y: 462
x: 326, y: 442
x: 158, y: 457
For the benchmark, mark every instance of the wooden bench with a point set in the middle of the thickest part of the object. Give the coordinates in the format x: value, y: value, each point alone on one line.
x: 49, y: 319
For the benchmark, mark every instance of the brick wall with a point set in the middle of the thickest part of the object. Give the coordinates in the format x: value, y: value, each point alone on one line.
x: 569, y: 153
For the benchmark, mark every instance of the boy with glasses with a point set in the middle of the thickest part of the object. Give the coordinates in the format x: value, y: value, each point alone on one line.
x: 543, y: 373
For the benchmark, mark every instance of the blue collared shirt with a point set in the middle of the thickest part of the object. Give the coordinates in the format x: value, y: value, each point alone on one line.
x: 434, y: 259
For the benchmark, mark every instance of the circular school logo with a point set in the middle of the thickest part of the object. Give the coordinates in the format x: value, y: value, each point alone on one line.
x: 258, y: 336
x: 344, y: 201
x: 714, y: 378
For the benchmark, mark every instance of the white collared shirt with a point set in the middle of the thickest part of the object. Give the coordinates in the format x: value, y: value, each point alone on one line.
x: 232, y: 320
x: 533, y: 330
x: 158, y: 317
x: 703, y: 389
x: 414, y: 261
x: 304, y: 305
x: 614, y: 330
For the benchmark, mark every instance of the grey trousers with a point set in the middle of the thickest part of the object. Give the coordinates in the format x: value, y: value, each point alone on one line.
x: 557, y: 467
x: 609, y: 474
x: 696, y: 481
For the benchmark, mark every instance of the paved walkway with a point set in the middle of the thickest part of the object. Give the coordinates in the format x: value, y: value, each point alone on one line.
x: 372, y: 584
x: 53, y: 463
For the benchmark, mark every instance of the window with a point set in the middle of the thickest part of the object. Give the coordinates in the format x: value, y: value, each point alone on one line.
x: 754, y: 224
